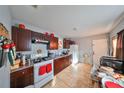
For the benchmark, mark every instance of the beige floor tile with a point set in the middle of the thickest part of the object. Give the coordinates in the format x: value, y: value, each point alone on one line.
x: 77, y: 76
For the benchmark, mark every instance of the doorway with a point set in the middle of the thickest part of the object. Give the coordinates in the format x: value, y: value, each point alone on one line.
x: 100, y: 48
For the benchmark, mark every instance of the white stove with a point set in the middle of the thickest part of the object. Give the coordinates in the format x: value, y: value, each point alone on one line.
x: 43, y: 73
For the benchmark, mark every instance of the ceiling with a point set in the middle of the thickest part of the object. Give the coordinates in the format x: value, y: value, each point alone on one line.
x: 71, y: 20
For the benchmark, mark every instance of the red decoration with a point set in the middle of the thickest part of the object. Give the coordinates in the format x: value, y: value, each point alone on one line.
x: 6, y: 46
x: 109, y: 84
x: 49, y: 68
x: 22, y: 26
x: 12, y: 45
x: 51, y: 35
x: 46, y: 33
x: 42, y: 70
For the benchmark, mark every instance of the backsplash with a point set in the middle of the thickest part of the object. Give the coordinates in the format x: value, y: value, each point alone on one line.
x: 41, y: 48
x: 35, y: 49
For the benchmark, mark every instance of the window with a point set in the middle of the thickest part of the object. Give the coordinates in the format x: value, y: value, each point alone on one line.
x: 114, y: 45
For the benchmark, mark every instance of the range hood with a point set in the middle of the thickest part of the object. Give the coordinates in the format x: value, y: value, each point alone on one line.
x: 40, y: 41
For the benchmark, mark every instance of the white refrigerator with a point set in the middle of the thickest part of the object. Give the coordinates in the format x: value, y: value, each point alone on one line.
x: 75, y: 53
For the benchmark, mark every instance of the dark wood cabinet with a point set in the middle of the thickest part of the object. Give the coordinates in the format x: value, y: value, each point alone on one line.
x: 72, y: 42
x: 22, y: 39
x: 22, y: 78
x: 61, y: 63
x: 66, y: 43
x: 53, y: 43
x: 46, y: 37
x: 37, y: 35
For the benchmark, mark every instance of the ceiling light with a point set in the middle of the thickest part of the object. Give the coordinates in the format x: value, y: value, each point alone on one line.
x: 35, y: 6
x: 75, y: 29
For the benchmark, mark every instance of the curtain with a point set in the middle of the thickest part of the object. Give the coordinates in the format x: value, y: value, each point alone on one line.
x: 120, y: 45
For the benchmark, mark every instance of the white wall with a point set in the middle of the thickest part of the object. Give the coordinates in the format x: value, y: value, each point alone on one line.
x: 5, y: 19
x: 114, y: 32
x: 85, y: 46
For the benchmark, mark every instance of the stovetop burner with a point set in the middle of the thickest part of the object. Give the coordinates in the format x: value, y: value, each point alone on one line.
x: 39, y: 59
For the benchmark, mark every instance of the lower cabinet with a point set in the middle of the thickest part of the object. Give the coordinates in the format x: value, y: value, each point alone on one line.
x: 22, y: 78
x: 61, y: 63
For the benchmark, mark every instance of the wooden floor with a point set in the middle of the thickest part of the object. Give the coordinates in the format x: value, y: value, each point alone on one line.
x: 77, y: 76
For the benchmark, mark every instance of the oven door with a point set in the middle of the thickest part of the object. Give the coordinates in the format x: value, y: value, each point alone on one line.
x: 42, y: 70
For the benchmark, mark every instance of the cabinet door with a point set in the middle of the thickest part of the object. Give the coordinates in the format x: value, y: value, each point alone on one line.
x: 53, y: 43
x: 61, y: 63
x: 12, y: 82
x: 22, y: 78
x: 36, y: 35
x: 66, y: 43
x: 22, y: 39
x: 46, y: 37
x: 56, y: 42
x: 20, y: 81
x: 57, y: 66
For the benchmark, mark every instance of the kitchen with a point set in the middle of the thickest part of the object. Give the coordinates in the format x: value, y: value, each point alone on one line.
x: 39, y: 57
x: 51, y: 47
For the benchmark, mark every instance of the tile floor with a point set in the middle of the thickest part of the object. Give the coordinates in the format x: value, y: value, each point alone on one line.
x: 77, y: 76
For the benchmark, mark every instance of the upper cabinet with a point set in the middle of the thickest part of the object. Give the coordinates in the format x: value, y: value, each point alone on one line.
x: 36, y: 35
x: 53, y: 43
x: 22, y: 39
x: 67, y: 43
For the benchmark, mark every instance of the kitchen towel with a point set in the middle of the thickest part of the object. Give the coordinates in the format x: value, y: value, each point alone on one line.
x: 42, y: 70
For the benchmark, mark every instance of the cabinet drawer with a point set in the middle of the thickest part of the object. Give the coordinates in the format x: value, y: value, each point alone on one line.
x: 22, y: 72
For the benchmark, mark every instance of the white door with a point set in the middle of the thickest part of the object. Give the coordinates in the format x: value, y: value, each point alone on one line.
x: 100, y: 48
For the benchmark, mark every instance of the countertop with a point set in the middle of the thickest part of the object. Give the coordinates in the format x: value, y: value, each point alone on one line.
x: 21, y: 67
x: 57, y: 57
x: 14, y: 69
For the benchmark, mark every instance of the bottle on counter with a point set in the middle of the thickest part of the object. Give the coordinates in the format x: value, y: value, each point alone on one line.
x: 23, y: 60
x: 28, y: 61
